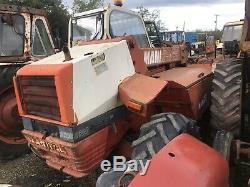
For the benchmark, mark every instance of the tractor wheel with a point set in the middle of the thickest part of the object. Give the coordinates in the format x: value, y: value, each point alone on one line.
x: 153, y: 137
x: 12, y: 142
x: 159, y: 132
x: 12, y: 151
x: 223, y: 143
x: 225, y: 108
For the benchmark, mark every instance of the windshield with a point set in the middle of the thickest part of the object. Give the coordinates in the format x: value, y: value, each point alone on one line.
x: 231, y: 33
x: 88, y: 28
x: 11, y: 35
x: 126, y: 24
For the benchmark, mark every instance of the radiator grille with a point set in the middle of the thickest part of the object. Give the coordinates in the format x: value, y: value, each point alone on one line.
x: 39, y: 97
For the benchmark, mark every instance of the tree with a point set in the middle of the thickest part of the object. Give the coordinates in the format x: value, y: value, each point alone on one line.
x: 153, y: 15
x: 58, y: 15
x: 85, y: 5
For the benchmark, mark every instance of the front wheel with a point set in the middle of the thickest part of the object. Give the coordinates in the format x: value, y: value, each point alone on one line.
x: 154, y: 135
x: 159, y: 132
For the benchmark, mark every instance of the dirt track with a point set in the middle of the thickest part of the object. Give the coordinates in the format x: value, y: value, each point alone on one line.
x: 30, y: 171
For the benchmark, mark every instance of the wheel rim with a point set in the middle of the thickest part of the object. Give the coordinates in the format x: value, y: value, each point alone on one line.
x: 10, y: 121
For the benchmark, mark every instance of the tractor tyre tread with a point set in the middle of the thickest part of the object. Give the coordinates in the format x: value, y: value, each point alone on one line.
x: 225, y: 106
x: 160, y: 131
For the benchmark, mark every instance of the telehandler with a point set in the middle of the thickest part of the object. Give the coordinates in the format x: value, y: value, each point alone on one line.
x: 80, y: 105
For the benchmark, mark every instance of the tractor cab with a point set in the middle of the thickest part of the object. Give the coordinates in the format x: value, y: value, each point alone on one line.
x: 231, y: 37
x: 24, y: 34
x: 107, y: 23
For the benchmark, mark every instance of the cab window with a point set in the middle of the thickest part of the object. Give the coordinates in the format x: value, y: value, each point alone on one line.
x: 11, y: 35
x: 125, y: 24
x: 41, y: 43
x: 231, y: 33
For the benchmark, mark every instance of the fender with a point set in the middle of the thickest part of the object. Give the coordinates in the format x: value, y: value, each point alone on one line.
x: 185, y: 161
x: 138, y: 91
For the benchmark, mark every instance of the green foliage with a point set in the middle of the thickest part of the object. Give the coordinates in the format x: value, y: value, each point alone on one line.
x: 58, y: 15
x: 153, y: 15
x: 147, y: 15
x: 85, y: 5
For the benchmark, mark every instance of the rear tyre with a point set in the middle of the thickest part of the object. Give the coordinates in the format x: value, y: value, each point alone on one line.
x: 10, y: 121
x: 12, y: 151
x: 225, y: 108
x: 159, y: 132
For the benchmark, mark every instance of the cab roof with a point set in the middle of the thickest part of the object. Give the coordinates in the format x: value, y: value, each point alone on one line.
x: 21, y: 9
x: 234, y: 23
x: 107, y: 8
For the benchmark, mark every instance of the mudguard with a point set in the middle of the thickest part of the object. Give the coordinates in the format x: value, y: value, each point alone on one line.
x: 185, y: 162
x: 138, y: 91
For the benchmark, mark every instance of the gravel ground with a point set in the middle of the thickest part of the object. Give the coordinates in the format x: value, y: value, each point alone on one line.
x: 30, y: 171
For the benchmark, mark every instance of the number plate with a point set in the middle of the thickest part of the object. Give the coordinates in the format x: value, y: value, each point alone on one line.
x: 46, y: 144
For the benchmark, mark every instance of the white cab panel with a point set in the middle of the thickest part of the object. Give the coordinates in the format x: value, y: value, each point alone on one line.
x: 96, y: 78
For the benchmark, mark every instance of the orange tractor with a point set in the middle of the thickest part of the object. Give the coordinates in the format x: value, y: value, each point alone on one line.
x: 112, y: 88
x: 24, y: 37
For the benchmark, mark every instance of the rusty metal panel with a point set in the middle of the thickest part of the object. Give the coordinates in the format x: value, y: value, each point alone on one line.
x: 20, y: 9
x: 28, y: 14
x: 187, y: 91
x: 185, y: 76
x: 138, y: 91
x: 27, y: 40
x: 81, y: 158
x: 165, y: 55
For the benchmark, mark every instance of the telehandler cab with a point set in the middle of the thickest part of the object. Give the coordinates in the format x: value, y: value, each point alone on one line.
x: 231, y: 37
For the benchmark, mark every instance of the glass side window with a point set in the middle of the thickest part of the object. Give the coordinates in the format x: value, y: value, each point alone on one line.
x: 41, y: 43
x: 125, y: 24
x: 11, y: 35
x: 88, y: 28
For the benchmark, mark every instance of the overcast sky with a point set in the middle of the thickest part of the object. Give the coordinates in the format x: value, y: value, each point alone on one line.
x: 197, y: 14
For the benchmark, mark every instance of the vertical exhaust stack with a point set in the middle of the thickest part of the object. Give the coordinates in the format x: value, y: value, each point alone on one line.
x: 67, y: 54
x: 118, y: 3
